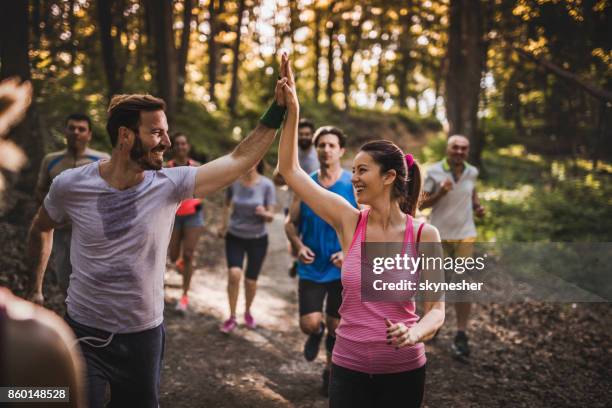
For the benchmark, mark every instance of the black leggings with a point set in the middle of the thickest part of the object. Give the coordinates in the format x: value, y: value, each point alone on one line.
x: 254, y: 248
x: 354, y: 389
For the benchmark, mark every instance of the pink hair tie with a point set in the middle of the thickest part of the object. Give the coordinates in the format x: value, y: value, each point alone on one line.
x: 409, y: 160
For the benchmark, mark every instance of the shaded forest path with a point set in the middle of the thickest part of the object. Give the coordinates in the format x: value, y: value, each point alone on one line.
x: 522, y: 355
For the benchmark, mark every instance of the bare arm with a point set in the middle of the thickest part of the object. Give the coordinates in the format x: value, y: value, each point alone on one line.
x: 331, y: 207
x: 40, y: 241
x: 430, y: 199
x: 221, y: 172
x: 478, y: 208
x: 433, y: 313
x: 225, y: 217
x: 266, y: 212
x: 43, y: 183
x: 291, y: 222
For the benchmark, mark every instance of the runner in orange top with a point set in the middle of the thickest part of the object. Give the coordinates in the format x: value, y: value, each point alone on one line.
x: 188, y: 224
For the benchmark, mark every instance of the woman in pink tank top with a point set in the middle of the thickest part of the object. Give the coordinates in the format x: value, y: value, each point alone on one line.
x: 378, y: 357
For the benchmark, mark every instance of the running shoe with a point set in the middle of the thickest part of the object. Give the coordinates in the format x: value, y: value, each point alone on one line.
x: 293, y: 269
x: 312, y: 345
x: 461, y: 347
x: 325, y: 387
x: 180, y: 265
x: 229, y: 325
x: 183, y: 304
x: 249, y: 321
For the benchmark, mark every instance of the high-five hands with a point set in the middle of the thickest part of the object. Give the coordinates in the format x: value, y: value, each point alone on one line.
x: 288, y: 86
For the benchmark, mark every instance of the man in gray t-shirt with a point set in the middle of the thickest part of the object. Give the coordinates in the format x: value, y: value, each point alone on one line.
x: 122, y: 211
x: 450, y: 189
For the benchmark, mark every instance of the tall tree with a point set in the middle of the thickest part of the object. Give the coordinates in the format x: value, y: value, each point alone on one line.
x: 105, y: 20
x: 161, y: 17
x: 353, y: 42
x: 405, y: 45
x: 233, y: 100
x: 14, y: 46
x: 183, y: 50
x: 317, y: 50
x: 466, y: 61
x: 213, y: 48
x: 331, y: 32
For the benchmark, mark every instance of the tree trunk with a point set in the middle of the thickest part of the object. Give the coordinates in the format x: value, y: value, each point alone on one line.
x: 212, y: 52
x: 165, y: 53
x: 14, y: 47
x: 233, y: 101
x: 36, y: 31
x: 405, y: 64
x: 184, y: 51
x: 347, y: 66
x: 466, y: 62
x: 72, y: 21
x: 379, y: 85
x: 108, y: 53
x: 317, y: 49
x: 331, y: 72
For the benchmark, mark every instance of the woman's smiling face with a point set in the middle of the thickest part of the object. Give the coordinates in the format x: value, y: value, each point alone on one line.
x: 367, y: 179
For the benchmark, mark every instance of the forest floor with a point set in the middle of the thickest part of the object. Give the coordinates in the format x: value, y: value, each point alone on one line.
x: 523, y: 355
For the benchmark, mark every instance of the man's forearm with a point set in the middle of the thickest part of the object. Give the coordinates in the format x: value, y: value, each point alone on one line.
x: 38, y: 252
x: 431, y: 199
x: 252, y: 149
x: 292, y: 236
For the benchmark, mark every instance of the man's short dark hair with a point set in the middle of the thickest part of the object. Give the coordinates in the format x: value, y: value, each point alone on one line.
x: 306, y: 123
x: 79, y: 117
x: 124, y: 110
x: 329, y: 130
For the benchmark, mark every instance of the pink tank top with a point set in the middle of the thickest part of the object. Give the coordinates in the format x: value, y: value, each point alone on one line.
x: 361, y: 337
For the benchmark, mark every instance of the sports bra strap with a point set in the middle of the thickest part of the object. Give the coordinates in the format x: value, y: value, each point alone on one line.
x: 418, y: 239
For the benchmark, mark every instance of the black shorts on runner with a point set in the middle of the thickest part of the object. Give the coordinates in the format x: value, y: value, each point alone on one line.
x: 312, y: 294
x: 254, y: 248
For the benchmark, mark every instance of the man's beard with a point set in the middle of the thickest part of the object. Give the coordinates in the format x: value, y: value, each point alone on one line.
x: 304, y: 144
x: 140, y: 156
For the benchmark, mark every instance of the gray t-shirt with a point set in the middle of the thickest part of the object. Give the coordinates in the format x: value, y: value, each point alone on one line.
x: 308, y: 159
x: 119, y: 244
x: 452, y: 214
x: 244, y: 223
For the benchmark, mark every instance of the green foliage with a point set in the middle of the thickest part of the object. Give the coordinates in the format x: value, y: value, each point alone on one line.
x: 535, y: 201
x: 434, y: 150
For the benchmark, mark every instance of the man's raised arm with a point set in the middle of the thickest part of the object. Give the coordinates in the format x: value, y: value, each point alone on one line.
x: 223, y: 171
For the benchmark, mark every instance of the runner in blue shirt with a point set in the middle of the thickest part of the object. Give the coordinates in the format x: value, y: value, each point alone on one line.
x: 318, y: 250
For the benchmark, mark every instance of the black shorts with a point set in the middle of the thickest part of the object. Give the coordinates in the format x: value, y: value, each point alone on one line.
x: 312, y: 294
x: 254, y: 248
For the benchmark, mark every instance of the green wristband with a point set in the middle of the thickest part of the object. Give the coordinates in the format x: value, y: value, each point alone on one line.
x: 273, y: 118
